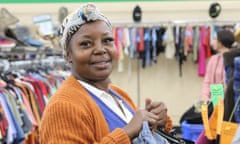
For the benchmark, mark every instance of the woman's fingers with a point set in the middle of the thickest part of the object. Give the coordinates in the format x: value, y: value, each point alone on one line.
x: 159, y: 109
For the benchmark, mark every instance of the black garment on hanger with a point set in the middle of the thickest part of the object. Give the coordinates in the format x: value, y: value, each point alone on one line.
x: 159, y: 44
x: 179, y: 45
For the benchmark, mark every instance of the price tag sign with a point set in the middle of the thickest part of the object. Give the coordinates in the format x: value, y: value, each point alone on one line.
x: 216, y: 93
x: 45, y: 24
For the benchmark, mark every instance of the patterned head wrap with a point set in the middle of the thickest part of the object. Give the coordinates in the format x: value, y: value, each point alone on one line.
x: 84, y: 14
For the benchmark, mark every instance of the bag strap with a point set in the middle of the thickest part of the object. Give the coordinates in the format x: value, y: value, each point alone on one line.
x: 220, y: 115
x: 204, y: 114
x: 234, y: 109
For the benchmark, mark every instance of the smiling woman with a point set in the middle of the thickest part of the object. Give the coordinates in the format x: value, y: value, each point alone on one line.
x: 87, y: 108
x: 92, y: 52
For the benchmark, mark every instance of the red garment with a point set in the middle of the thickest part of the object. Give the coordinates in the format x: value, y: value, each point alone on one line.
x: 43, y: 87
x: 207, y: 42
x: 3, y: 122
x: 38, y: 94
x: 140, y: 46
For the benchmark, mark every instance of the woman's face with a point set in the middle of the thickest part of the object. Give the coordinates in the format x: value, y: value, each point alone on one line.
x: 92, y: 51
x: 216, y: 44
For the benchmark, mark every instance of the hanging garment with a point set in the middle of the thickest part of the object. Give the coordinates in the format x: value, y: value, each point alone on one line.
x: 127, y: 41
x: 4, y: 126
x: 15, y: 133
x: 207, y: 42
x: 179, y: 44
x: 120, y: 49
x: 213, y: 34
x: 22, y: 100
x: 196, y: 44
x: 146, y: 55
x: 188, y: 39
x: 154, y: 45
x: 202, y: 53
x: 26, y: 105
x: 170, y: 47
x: 140, y: 39
x: 117, y: 41
x: 133, y: 45
x: 160, y: 46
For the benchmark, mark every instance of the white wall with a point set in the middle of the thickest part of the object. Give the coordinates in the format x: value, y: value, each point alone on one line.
x: 161, y: 81
x: 152, y: 11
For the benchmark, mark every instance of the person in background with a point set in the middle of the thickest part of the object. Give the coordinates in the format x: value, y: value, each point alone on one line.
x: 215, y: 69
x: 87, y: 108
x: 237, y: 38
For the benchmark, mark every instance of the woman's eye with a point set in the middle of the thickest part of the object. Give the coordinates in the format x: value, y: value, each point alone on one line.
x: 85, y: 43
x: 108, y: 40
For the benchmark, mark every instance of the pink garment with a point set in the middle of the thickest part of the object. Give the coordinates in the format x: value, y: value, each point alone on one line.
x: 117, y: 42
x: 215, y: 75
x: 201, y: 55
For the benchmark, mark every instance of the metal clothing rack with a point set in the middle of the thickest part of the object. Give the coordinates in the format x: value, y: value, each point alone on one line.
x: 168, y: 23
x: 173, y: 22
x: 5, y: 65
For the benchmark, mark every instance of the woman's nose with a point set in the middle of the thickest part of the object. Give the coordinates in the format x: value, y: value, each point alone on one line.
x: 99, y: 48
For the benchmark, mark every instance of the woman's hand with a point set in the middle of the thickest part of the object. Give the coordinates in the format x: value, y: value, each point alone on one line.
x: 159, y: 109
x: 134, y: 127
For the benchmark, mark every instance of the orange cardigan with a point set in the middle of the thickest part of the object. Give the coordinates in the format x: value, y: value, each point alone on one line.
x: 73, y: 117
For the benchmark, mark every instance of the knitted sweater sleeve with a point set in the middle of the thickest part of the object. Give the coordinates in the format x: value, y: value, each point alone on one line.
x: 65, y: 123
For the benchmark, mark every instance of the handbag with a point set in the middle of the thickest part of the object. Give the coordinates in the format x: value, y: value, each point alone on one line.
x: 172, y: 138
x: 222, y: 131
x: 193, y: 114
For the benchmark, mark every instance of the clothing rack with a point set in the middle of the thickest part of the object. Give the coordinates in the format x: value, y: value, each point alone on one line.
x: 26, y: 53
x: 24, y: 95
x: 173, y: 22
x: 25, y: 64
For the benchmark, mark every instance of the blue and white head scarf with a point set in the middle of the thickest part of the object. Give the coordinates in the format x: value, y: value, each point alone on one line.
x: 84, y: 14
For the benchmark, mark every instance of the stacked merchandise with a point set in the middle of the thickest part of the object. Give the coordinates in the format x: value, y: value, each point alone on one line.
x: 16, y: 38
x: 6, y: 19
x: 24, y: 93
